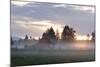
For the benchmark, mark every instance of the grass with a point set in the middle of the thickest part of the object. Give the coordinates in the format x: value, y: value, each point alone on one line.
x: 50, y: 57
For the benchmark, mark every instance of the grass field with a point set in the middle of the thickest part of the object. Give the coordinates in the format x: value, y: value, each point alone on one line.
x: 38, y: 57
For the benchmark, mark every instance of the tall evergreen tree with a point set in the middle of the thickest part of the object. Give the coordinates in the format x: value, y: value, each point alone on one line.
x: 64, y: 33
x: 26, y: 37
x: 51, y: 33
x: 68, y: 34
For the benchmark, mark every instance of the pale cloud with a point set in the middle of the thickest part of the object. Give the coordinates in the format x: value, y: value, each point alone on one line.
x: 18, y: 3
x: 89, y: 8
x: 33, y: 28
x: 60, y: 5
x: 85, y: 2
x: 40, y: 25
x: 85, y: 8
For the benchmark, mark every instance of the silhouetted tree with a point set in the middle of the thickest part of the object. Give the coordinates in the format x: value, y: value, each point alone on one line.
x: 57, y: 35
x: 51, y: 34
x: 44, y: 35
x: 68, y: 34
x: 88, y: 36
x: 11, y: 41
x: 26, y: 37
x: 64, y: 33
x: 93, y: 36
x: 45, y: 41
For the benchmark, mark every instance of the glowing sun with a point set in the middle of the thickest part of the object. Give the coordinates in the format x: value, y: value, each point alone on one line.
x: 83, y: 37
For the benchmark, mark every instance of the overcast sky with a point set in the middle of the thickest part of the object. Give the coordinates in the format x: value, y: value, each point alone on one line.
x: 33, y: 18
x: 86, y: 2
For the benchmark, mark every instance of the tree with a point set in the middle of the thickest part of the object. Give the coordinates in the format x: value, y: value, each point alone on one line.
x: 57, y: 35
x: 51, y: 34
x: 44, y: 35
x: 11, y: 41
x: 88, y: 36
x: 68, y: 34
x: 93, y: 36
x: 64, y: 33
x: 26, y: 37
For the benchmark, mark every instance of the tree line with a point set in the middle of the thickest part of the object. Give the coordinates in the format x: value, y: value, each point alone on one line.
x: 68, y: 34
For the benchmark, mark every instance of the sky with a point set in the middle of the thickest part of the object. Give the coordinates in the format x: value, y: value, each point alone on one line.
x: 33, y: 18
x: 86, y: 2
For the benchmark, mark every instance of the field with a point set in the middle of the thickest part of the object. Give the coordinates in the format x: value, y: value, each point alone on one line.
x: 50, y: 56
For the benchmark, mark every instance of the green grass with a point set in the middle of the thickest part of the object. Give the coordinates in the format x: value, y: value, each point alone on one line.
x: 34, y: 57
x: 39, y: 60
x: 32, y: 60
